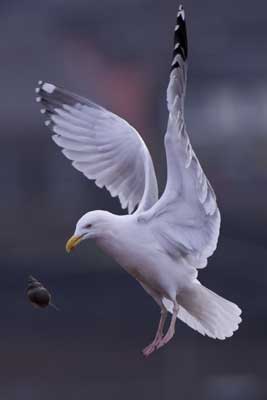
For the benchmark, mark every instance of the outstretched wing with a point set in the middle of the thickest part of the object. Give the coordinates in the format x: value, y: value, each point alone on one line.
x: 186, y: 216
x: 101, y: 145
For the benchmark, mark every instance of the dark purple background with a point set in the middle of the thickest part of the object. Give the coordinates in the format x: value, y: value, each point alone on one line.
x: 118, y: 53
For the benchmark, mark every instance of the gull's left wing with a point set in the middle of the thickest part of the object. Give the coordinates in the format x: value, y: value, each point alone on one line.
x: 100, y: 144
x: 186, y: 218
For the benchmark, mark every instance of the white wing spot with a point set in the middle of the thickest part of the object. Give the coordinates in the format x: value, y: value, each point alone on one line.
x: 37, y: 90
x: 176, y: 59
x: 176, y: 27
x: 48, y: 88
x: 38, y: 99
x: 47, y: 122
x: 182, y: 14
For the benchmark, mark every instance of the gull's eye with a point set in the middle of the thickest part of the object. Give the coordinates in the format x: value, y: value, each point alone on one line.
x: 88, y: 226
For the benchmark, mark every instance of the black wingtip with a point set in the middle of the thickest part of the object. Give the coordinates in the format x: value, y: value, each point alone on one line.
x: 180, y: 39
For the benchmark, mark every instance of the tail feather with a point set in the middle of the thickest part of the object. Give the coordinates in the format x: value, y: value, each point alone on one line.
x: 207, y: 312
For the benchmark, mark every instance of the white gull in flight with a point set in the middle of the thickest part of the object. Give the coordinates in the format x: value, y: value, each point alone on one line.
x: 161, y: 242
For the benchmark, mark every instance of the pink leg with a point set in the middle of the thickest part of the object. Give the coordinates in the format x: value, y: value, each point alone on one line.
x: 171, y: 331
x: 153, y: 346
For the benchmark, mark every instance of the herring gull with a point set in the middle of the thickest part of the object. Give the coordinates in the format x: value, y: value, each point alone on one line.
x: 161, y: 242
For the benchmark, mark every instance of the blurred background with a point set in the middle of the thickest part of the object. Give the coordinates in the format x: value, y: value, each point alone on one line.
x: 118, y: 53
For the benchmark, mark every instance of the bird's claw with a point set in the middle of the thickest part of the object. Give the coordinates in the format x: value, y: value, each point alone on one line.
x: 151, y: 347
x: 149, y: 350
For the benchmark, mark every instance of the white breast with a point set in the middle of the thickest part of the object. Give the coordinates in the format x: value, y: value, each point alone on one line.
x: 133, y: 246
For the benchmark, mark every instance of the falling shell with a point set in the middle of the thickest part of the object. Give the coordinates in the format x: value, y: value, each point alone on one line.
x: 37, y: 294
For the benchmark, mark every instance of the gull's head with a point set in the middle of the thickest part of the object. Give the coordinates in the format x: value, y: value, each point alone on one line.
x: 91, y: 225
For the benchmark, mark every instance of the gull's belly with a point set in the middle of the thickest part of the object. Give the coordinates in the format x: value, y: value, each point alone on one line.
x: 148, y: 265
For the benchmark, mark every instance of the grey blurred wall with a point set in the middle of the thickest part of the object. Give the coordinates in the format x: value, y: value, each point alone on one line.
x: 118, y: 54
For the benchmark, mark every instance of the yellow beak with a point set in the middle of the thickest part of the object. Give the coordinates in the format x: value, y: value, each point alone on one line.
x: 72, y: 243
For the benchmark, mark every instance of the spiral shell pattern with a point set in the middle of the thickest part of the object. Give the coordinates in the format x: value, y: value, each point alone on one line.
x: 37, y: 293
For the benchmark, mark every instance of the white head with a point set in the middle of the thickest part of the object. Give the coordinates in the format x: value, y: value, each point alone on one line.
x: 91, y: 225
